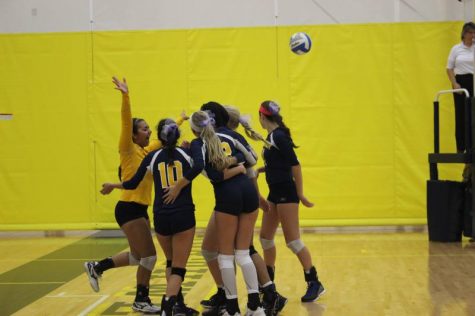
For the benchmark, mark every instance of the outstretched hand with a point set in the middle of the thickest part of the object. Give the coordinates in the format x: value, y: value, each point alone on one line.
x: 120, y: 85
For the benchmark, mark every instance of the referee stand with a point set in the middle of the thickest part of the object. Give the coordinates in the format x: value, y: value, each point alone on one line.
x: 450, y: 211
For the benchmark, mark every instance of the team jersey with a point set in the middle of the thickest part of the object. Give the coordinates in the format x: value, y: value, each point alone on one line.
x: 279, y: 158
x: 233, y: 145
x: 131, y: 156
x: 164, y: 174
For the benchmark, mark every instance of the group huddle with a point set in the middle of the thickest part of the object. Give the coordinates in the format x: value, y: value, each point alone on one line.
x: 228, y: 161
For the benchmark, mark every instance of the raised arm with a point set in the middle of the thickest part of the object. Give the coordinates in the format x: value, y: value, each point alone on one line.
x: 125, y: 141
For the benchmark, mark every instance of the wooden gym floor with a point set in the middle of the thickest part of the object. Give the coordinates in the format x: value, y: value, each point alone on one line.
x: 365, y: 272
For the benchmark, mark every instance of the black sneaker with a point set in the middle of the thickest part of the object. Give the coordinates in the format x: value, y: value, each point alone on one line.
x: 315, y: 289
x: 180, y: 308
x: 92, y: 275
x: 219, y: 298
x: 280, y: 303
x: 273, y: 302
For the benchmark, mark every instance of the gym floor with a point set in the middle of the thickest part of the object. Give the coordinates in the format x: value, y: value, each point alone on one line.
x: 365, y: 271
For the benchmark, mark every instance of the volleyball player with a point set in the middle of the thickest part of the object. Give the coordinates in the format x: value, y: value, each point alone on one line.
x: 235, y: 212
x: 175, y: 222
x: 226, y: 121
x: 131, y: 209
x: 284, y: 178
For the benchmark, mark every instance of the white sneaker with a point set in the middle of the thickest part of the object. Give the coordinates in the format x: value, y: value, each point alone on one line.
x: 258, y: 312
x: 145, y: 307
x: 92, y: 275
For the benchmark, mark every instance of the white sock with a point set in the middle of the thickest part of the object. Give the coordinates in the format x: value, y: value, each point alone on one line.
x: 243, y: 259
x: 226, y: 265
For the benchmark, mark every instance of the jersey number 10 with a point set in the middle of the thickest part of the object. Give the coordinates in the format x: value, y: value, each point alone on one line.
x: 170, y: 174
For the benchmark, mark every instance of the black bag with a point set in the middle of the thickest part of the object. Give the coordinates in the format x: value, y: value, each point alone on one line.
x: 445, y: 207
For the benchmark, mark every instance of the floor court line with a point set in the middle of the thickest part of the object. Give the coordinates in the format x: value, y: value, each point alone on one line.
x: 93, y: 306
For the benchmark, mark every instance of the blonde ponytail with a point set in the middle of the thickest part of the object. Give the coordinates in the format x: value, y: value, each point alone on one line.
x: 201, y: 123
x: 235, y: 118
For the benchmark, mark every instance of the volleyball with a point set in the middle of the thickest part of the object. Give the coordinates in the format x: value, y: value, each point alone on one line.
x: 300, y: 43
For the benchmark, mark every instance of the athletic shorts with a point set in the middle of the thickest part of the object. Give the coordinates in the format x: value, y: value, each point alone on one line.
x: 174, y: 223
x: 236, y: 195
x: 128, y: 211
x: 284, y: 192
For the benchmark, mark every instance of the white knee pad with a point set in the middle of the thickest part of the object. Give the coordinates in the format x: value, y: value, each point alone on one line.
x: 242, y: 257
x: 132, y: 260
x: 209, y: 255
x: 226, y: 261
x: 267, y: 243
x: 296, y: 245
x: 148, y: 262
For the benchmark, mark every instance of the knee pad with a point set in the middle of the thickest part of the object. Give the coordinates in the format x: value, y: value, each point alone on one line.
x: 148, y: 262
x: 296, y: 245
x: 179, y: 271
x: 267, y: 243
x: 169, y: 264
x: 132, y: 260
x: 226, y: 261
x: 209, y: 255
x: 242, y: 257
x: 252, y: 250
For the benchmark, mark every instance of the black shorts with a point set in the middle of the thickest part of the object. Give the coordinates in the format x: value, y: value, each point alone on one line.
x: 127, y: 211
x: 174, y: 223
x: 236, y: 195
x: 284, y: 192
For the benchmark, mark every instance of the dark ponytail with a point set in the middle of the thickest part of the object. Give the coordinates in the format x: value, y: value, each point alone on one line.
x: 217, y: 112
x: 271, y: 111
x: 168, y: 133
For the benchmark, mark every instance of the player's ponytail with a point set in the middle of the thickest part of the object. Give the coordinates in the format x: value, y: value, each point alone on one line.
x: 168, y: 133
x: 201, y: 123
x: 236, y: 119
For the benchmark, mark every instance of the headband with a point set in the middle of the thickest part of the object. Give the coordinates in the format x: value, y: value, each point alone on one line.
x: 198, y: 127
x: 167, y: 129
x: 273, y: 109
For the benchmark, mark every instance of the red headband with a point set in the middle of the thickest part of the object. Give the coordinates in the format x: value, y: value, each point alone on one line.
x: 265, y: 111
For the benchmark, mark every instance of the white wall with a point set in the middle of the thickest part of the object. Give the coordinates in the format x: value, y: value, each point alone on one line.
x: 25, y: 16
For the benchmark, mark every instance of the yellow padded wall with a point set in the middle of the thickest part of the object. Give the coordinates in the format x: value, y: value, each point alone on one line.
x: 359, y: 106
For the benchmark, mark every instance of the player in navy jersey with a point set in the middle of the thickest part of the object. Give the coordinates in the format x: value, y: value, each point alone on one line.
x: 174, y: 222
x: 226, y: 120
x: 236, y: 206
x: 284, y: 178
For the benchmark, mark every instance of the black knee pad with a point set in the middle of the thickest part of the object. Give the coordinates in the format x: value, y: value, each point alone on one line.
x: 252, y: 250
x: 179, y: 271
x: 169, y: 264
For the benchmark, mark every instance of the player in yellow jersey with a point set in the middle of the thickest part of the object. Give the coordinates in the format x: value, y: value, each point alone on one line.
x: 131, y: 209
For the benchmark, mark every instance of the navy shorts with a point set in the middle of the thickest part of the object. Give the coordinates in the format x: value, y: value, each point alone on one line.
x: 284, y: 192
x: 236, y: 195
x: 174, y: 223
x: 128, y: 211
